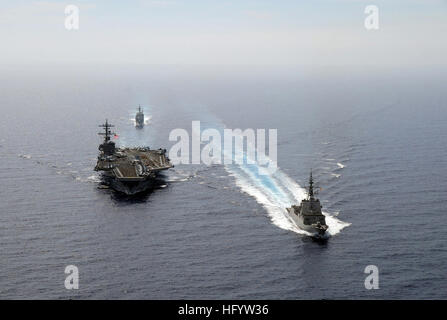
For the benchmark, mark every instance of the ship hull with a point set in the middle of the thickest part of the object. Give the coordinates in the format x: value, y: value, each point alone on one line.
x: 129, y: 187
x: 139, y: 120
x: 309, y: 228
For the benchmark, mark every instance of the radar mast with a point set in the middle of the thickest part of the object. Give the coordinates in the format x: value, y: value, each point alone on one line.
x: 311, y: 186
x: 107, y: 132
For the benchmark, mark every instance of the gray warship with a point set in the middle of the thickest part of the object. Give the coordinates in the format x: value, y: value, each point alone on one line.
x: 139, y: 118
x: 308, y: 214
x: 129, y: 170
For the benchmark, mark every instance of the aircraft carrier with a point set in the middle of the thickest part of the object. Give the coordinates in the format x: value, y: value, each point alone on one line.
x: 129, y: 170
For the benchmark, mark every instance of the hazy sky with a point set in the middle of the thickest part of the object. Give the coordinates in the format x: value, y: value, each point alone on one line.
x: 317, y: 32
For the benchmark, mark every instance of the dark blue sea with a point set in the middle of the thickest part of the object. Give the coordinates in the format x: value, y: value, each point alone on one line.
x: 374, y: 138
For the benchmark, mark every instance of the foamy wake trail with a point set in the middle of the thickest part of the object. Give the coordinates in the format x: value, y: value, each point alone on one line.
x: 273, y: 202
x: 275, y: 191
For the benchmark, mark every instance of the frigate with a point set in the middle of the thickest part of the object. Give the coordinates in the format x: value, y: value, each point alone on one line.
x: 129, y: 170
x: 139, y: 118
x: 308, y: 214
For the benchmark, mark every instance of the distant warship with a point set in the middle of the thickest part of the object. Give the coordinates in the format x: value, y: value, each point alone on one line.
x: 308, y: 214
x: 129, y: 170
x: 139, y: 118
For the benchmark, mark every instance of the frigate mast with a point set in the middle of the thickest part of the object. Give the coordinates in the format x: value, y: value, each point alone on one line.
x: 311, y: 186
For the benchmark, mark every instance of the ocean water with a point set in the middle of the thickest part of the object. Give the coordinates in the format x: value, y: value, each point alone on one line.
x: 375, y: 140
